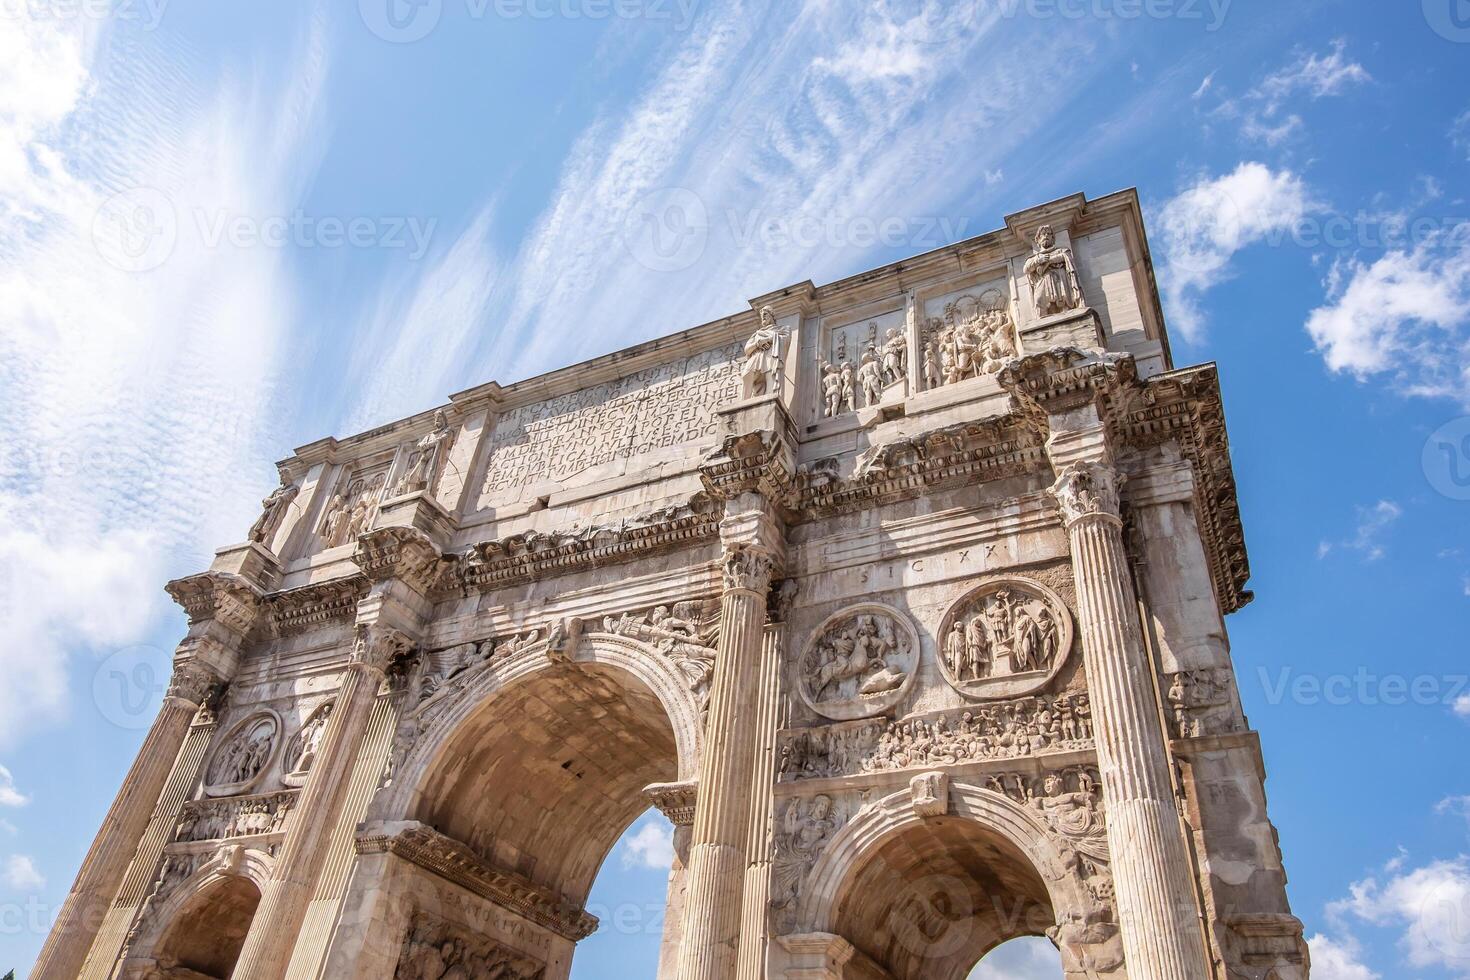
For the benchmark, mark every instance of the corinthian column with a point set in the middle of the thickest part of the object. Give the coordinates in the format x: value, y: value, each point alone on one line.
x: 1151, y: 870
x: 717, y: 853
x: 283, y: 902
x: 112, y: 850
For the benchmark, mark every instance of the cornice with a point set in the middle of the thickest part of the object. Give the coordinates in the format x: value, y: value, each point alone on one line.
x: 312, y: 606
x: 1185, y: 407
x: 398, y: 552
x: 455, y: 862
x: 223, y: 597
x: 533, y: 554
x: 751, y: 462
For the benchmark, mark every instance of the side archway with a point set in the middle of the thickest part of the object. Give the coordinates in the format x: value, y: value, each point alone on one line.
x: 928, y: 896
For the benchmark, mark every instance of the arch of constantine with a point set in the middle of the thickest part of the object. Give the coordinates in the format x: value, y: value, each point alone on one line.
x: 902, y: 597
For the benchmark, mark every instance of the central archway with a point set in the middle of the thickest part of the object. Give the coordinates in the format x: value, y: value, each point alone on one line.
x: 538, y: 764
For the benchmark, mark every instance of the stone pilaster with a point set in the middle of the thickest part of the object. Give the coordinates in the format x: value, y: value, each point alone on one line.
x: 755, y: 914
x: 401, y: 563
x: 221, y: 608
x: 1151, y: 869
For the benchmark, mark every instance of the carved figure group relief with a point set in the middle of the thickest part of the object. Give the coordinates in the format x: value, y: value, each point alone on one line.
x: 858, y: 662
x: 436, y: 950
x: 426, y: 461
x: 273, y: 510
x: 302, y: 749
x: 656, y: 408
x: 763, y: 371
x: 1201, y: 702
x: 1005, y: 638
x: 862, y: 370
x: 353, y: 506
x: 1023, y: 727
x: 243, y: 755
x: 686, y: 633
x: 238, y: 816
x: 1052, y: 273
x: 974, y: 338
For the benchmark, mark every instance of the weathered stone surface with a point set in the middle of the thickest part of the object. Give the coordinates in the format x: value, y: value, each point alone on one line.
x: 901, y: 597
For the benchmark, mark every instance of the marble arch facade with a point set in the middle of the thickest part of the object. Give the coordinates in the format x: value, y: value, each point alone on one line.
x: 903, y: 597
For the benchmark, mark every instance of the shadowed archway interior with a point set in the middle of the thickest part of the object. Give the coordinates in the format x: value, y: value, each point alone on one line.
x: 544, y: 778
x: 205, y: 939
x: 936, y: 897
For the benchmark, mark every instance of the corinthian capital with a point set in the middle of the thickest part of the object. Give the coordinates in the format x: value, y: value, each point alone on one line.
x: 378, y: 646
x: 1087, y: 489
x: 193, y: 683
x: 748, y: 568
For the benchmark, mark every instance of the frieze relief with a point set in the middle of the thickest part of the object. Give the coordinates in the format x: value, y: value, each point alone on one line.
x: 860, y: 661
x: 437, y: 950
x: 865, y: 365
x: 1007, y: 637
x: 237, y: 816
x: 656, y: 408
x: 242, y: 757
x: 1004, y: 730
x: 974, y: 338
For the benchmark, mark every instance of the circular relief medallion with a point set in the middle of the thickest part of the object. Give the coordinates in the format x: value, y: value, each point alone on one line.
x: 244, y: 755
x: 1005, y: 638
x: 860, y: 661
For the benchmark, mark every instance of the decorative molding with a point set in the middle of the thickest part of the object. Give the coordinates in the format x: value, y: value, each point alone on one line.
x: 759, y: 461
x: 403, y: 553
x: 313, y: 606
x: 457, y: 863
x: 220, y: 597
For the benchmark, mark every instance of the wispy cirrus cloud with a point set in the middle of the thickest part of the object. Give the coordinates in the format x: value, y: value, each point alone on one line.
x: 137, y: 357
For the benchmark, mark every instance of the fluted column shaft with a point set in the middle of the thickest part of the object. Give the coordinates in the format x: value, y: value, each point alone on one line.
x: 717, y: 853
x: 755, y: 914
x: 112, y: 850
x: 1151, y: 869
x: 283, y: 902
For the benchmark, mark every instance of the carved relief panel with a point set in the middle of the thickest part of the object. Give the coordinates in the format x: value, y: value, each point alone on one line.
x: 1005, y: 638
x: 243, y: 756
x: 860, y: 661
x: 354, y: 502
x: 302, y: 749
x: 863, y: 364
x: 437, y: 950
x: 966, y: 335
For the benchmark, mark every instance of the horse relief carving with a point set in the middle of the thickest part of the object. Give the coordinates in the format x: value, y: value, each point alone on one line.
x: 1007, y: 637
x: 860, y: 661
x: 244, y: 755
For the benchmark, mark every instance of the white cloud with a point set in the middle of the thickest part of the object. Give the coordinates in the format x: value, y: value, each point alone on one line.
x: 21, y: 874
x: 651, y: 846
x: 1430, y: 904
x: 1204, y: 226
x: 1462, y: 706
x: 137, y: 358
x: 1372, y: 523
x: 1405, y: 315
x: 1458, y: 805
x: 9, y: 795
x: 1204, y: 87
x: 1263, y: 113
x: 1338, y: 960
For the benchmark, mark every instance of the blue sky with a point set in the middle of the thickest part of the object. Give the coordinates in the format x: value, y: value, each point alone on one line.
x: 227, y: 230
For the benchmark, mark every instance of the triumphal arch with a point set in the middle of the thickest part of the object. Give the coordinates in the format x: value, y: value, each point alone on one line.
x: 902, y: 597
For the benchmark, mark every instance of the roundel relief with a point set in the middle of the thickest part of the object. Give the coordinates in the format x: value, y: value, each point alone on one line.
x: 244, y: 755
x: 1006, y: 638
x: 860, y: 661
